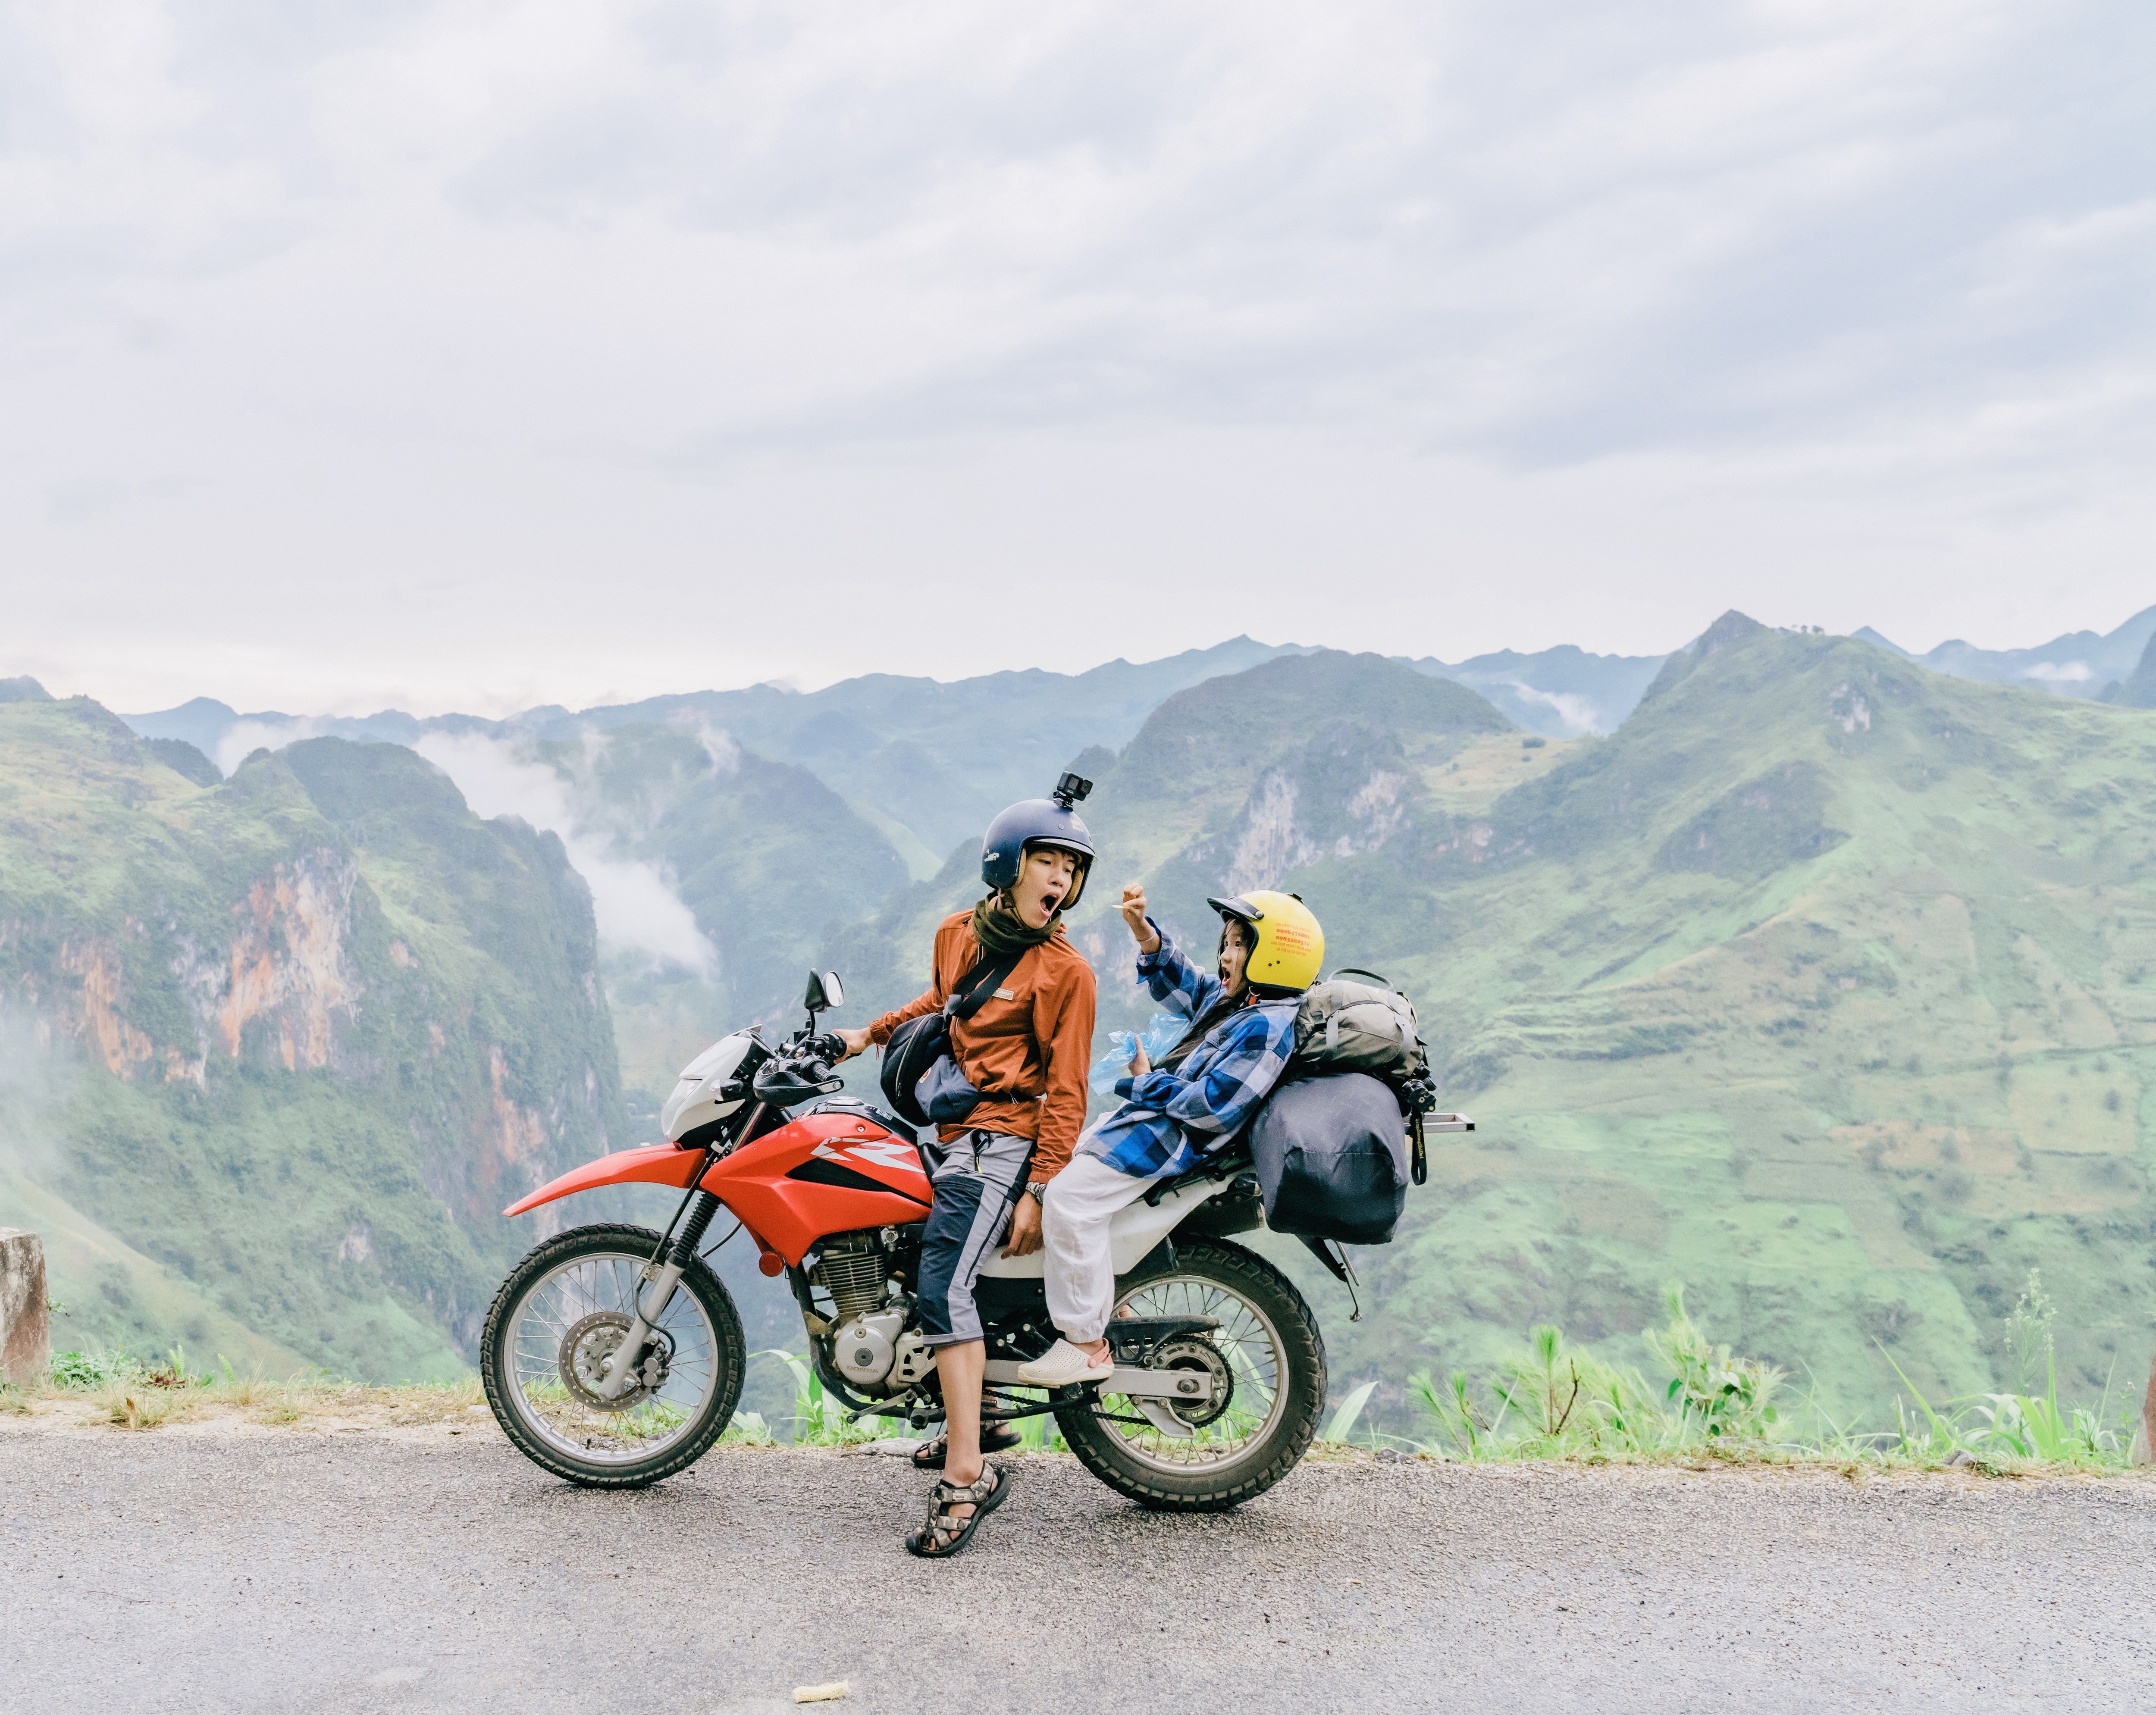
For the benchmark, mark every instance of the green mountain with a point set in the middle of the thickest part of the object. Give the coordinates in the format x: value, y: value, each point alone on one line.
x: 1227, y: 785
x: 276, y: 1050
x: 2138, y: 690
x: 1826, y: 985
x: 767, y: 858
x: 1823, y: 985
x: 929, y: 763
x: 935, y: 761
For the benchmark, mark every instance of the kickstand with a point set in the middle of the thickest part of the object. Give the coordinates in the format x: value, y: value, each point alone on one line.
x: 1338, y: 1266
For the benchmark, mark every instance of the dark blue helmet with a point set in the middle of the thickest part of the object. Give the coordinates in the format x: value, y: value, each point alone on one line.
x: 1039, y: 821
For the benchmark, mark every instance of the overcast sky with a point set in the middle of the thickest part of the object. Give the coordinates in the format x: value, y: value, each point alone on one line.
x: 477, y: 355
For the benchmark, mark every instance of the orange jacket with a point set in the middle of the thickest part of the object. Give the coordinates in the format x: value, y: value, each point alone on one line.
x: 1033, y: 1039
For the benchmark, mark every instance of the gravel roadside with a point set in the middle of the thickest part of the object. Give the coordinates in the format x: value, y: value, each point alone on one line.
x: 226, y: 1566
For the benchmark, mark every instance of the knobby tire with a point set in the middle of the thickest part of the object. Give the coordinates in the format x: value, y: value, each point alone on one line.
x: 1251, y: 1473
x: 730, y: 1356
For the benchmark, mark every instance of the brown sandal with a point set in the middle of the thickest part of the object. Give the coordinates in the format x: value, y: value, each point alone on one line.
x: 995, y: 1438
x: 943, y: 1536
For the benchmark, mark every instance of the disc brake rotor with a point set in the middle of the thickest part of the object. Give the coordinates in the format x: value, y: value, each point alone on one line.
x: 1198, y: 1356
x: 585, y: 1350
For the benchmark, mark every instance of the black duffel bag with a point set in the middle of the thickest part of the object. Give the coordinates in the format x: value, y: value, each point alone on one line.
x: 918, y: 1044
x: 1332, y: 1158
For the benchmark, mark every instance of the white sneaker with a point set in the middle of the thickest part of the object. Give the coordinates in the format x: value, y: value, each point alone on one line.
x: 1065, y: 1366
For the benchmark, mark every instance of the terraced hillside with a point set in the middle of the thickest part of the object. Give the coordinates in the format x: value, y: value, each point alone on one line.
x: 277, y: 1049
x: 1826, y: 985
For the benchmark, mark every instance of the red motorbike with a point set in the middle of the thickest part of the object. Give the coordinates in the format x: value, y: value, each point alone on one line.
x: 614, y: 1355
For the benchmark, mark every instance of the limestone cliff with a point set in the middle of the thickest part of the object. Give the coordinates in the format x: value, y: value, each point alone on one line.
x: 277, y: 1049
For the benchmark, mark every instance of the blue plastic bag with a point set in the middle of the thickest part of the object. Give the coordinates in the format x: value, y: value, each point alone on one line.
x: 1161, y: 1033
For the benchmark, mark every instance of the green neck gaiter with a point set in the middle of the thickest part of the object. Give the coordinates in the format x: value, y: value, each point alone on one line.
x: 998, y: 931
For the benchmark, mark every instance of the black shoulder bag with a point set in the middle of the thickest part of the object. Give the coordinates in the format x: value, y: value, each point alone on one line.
x: 919, y: 1042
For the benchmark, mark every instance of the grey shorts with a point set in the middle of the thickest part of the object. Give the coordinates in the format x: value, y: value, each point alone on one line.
x: 979, y: 1177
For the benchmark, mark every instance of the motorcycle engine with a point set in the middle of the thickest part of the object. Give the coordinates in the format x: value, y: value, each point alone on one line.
x: 865, y: 1348
x: 881, y: 1353
x: 871, y: 1346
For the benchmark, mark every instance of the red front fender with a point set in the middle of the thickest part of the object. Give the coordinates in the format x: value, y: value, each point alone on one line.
x: 655, y: 1164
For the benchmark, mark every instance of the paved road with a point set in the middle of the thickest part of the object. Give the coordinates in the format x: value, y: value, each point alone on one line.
x: 289, y: 1569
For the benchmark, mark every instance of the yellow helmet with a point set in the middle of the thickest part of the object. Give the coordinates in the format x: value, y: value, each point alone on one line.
x: 1289, y: 949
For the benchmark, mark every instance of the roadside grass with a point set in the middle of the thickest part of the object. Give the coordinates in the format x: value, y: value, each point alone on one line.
x: 1547, y: 1401
x: 127, y: 1391
x: 1550, y: 1401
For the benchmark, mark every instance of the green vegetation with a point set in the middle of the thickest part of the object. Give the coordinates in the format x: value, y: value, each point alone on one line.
x: 278, y: 1050
x: 1825, y: 984
x: 1553, y: 1400
x: 126, y: 1391
x: 1548, y: 1401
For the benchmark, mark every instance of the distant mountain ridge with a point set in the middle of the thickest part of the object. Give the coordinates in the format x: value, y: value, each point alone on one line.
x: 930, y: 760
x: 1562, y: 692
x: 2076, y: 664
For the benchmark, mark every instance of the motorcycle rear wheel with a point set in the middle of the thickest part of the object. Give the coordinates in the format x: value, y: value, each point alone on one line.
x: 1275, y: 1356
x: 575, y: 1287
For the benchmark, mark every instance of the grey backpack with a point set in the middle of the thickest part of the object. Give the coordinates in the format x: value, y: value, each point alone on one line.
x: 1358, y: 1027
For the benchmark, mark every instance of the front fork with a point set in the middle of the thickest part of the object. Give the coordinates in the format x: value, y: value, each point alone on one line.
x: 658, y: 1281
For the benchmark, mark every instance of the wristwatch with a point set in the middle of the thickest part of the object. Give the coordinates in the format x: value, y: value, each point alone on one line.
x: 1037, y: 1190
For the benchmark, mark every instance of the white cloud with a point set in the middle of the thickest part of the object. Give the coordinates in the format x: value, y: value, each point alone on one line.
x: 640, y: 913
x: 2060, y: 672
x: 606, y: 349
x: 1579, y: 714
x: 243, y: 738
x: 39, y: 1072
x: 719, y: 746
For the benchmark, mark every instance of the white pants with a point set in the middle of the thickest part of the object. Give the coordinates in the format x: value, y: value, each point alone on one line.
x: 1074, y: 1216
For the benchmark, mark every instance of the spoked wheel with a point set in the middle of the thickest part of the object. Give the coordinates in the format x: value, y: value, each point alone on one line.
x: 1262, y: 1372
x: 559, y: 1318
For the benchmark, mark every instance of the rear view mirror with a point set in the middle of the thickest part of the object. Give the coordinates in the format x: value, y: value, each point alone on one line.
x: 825, y: 991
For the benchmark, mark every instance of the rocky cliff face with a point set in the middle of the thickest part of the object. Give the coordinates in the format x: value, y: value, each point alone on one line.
x: 280, y: 1048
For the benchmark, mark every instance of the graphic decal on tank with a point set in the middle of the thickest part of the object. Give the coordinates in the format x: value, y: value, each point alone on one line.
x: 885, y: 1152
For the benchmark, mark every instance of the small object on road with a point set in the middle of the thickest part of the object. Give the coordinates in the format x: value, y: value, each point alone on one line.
x: 893, y: 1447
x: 820, y: 1693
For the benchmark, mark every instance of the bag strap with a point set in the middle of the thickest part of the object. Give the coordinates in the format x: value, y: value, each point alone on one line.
x: 978, y: 984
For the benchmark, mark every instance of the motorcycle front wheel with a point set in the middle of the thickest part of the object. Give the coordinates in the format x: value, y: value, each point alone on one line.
x: 562, y: 1312
x: 1272, y: 1355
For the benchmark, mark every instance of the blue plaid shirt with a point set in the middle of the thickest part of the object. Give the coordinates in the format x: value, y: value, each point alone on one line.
x: 1169, y: 1120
